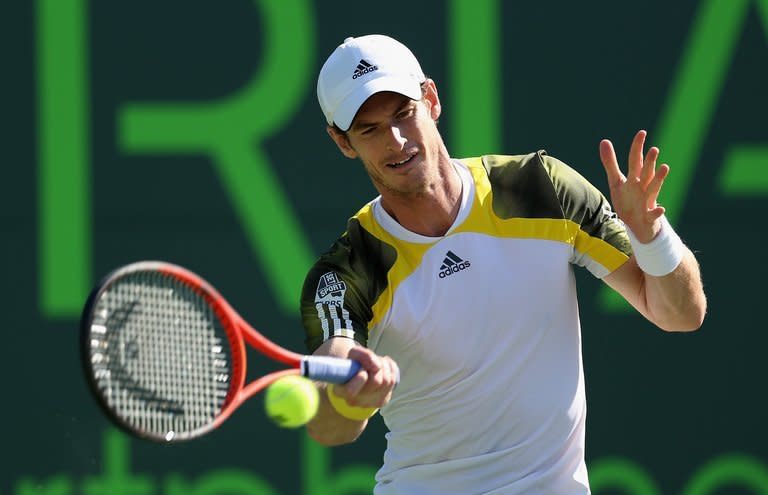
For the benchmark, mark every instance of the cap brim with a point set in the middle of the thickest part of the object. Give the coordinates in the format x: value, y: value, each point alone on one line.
x: 346, y: 112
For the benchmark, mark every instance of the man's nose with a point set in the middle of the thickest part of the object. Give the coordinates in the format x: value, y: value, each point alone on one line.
x: 395, y: 138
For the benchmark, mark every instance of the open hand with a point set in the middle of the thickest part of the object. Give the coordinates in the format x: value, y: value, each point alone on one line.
x: 634, y: 196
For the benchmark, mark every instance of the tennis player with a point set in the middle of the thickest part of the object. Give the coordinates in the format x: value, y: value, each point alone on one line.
x: 458, y: 279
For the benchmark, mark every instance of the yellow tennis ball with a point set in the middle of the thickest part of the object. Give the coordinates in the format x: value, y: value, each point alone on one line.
x: 291, y: 401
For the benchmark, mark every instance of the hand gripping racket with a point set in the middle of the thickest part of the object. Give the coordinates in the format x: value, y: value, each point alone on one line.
x: 164, y: 353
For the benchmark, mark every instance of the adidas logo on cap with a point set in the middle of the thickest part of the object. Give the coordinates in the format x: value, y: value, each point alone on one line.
x: 363, y: 68
x: 452, y: 264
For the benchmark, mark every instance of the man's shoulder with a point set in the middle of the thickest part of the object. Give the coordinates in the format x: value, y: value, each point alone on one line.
x: 516, y: 170
x: 360, y: 248
x: 491, y: 162
x: 496, y: 163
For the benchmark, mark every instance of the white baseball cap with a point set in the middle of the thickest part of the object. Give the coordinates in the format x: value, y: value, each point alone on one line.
x: 361, y: 67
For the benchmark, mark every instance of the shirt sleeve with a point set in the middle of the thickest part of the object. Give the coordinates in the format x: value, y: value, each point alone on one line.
x: 601, y: 244
x: 333, y: 302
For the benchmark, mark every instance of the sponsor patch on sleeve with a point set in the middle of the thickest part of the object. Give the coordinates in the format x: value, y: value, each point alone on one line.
x: 329, y: 301
x: 330, y: 288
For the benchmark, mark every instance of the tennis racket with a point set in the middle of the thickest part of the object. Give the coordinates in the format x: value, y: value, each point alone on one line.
x: 164, y: 353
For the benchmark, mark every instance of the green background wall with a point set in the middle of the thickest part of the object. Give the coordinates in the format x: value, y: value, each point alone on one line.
x: 189, y: 131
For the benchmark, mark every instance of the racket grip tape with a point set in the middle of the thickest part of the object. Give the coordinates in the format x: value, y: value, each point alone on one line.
x: 329, y: 369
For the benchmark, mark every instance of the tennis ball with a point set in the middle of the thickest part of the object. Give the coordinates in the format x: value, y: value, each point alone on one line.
x: 291, y: 401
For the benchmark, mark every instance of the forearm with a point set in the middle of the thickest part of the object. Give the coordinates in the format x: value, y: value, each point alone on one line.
x: 676, y: 301
x: 670, y: 280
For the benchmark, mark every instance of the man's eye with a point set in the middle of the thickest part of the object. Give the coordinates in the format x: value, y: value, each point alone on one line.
x: 367, y: 131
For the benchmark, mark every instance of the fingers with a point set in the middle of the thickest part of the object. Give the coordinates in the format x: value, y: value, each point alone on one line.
x: 639, y: 169
x: 655, y: 213
x: 369, y: 366
x: 354, y: 385
x: 373, y: 384
x: 368, y: 359
x: 635, y: 165
x: 654, y: 187
x: 649, y: 166
x: 610, y: 163
x: 378, y: 389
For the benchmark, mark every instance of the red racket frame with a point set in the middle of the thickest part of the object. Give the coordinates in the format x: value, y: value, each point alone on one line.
x: 238, y: 332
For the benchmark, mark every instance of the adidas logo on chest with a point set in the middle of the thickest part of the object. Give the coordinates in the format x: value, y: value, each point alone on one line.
x: 452, y: 264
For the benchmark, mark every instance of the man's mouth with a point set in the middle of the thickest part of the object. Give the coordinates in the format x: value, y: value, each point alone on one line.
x: 403, y: 162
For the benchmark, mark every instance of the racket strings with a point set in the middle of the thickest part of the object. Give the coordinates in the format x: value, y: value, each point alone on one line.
x: 160, y: 355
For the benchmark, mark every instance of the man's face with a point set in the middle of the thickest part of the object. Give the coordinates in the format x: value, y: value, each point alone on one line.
x: 397, y: 140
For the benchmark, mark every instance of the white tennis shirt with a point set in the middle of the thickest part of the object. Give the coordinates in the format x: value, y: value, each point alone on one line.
x: 483, y: 323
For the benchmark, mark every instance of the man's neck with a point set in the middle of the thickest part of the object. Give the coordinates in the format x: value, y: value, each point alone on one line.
x: 430, y: 213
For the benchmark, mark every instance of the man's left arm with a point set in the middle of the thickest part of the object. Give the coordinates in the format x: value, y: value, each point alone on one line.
x: 668, y: 289
x: 673, y: 302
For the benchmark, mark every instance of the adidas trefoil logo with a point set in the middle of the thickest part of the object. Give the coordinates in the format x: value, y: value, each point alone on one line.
x: 363, y: 68
x: 452, y: 264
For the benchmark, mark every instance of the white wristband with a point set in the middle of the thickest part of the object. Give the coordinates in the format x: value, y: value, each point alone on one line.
x: 660, y: 256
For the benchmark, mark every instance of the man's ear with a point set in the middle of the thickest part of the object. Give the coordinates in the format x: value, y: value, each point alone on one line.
x: 430, y: 94
x: 342, y: 141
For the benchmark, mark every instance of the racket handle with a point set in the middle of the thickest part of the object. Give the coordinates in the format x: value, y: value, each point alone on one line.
x: 329, y: 369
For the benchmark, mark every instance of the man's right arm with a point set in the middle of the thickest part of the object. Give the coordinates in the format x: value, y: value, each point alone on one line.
x: 371, y: 388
